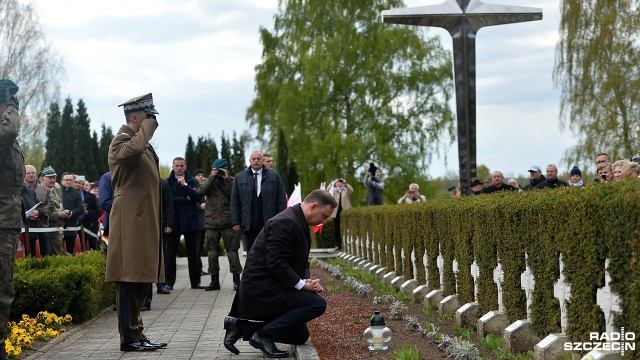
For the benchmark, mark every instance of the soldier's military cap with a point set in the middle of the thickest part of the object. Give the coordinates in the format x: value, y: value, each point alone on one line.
x: 7, y: 84
x: 48, y: 171
x: 140, y: 103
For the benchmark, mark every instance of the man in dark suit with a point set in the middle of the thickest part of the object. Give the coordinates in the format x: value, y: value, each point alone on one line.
x: 275, y: 289
x: 257, y: 196
x: 187, y: 222
x: 92, y: 212
x: 72, y: 203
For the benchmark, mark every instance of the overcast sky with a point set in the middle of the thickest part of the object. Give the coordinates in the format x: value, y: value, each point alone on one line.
x: 198, y: 59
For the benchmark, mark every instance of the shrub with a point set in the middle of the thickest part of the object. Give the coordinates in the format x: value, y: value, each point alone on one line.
x: 72, y: 285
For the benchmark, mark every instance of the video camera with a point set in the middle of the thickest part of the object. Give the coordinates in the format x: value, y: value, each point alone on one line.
x: 220, y: 172
x: 372, y: 169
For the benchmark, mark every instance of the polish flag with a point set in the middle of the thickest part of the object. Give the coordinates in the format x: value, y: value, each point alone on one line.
x: 296, y: 196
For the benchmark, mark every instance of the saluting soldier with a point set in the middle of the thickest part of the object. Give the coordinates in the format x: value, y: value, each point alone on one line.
x: 11, y: 177
x: 134, y: 258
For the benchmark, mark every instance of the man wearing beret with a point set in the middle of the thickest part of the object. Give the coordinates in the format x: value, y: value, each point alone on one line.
x: 11, y: 178
x: 217, y: 222
x: 135, y: 255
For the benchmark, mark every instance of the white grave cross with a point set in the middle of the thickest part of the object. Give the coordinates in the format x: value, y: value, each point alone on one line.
x: 440, y: 264
x: 455, y: 272
x: 528, y: 284
x: 562, y: 292
x: 475, y: 273
x: 425, y: 260
x: 607, y: 300
x: 498, y: 278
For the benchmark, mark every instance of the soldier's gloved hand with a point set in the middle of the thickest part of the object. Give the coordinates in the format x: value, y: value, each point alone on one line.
x: 11, y: 100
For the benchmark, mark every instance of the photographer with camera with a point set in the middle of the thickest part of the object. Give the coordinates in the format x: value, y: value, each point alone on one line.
x: 412, y: 195
x: 374, y: 185
x: 217, y: 223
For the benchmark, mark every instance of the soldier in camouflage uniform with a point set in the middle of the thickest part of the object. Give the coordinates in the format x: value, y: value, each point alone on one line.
x: 11, y: 177
x: 217, y: 223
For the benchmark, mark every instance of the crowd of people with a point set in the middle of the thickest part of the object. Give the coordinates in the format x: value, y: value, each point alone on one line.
x: 50, y: 205
x: 606, y: 170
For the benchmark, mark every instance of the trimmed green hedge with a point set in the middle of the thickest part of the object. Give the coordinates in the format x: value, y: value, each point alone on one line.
x: 585, y: 225
x: 62, y: 285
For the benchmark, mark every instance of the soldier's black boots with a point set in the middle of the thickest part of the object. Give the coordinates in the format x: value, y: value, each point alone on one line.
x: 236, y: 281
x: 214, y: 284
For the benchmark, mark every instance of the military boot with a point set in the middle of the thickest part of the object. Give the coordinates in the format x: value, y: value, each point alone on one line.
x: 214, y: 284
x: 236, y: 281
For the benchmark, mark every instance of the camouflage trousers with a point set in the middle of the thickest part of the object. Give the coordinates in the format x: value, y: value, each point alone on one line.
x: 8, y: 246
x: 55, y: 243
x: 231, y: 240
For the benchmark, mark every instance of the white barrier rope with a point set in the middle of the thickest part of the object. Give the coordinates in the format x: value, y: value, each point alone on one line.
x: 52, y: 229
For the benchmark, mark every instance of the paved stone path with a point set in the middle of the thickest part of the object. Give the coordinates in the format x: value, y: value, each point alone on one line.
x: 191, y: 321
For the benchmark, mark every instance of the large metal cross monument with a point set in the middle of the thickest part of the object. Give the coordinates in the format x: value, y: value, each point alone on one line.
x: 463, y: 19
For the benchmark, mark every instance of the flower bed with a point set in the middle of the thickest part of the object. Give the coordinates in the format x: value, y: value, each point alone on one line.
x: 22, y: 335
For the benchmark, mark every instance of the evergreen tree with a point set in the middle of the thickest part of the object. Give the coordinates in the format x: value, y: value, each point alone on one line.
x: 83, y: 147
x: 292, y: 178
x: 66, y: 139
x: 99, y: 170
x: 190, y: 154
x: 106, y: 136
x: 53, y: 145
x: 225, y: 152
x: 237, y: 162
x: 282, y: 162
x: 207, y: 152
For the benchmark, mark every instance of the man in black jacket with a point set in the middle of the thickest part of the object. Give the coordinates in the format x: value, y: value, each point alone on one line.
x: 552, y: 181
x: 72, y: 203
x: 497, y: 184
x: 257, y: 196
x: 187, y: 222
x: 535, y: 173
x: 92, y: 212
x: 275, y: 288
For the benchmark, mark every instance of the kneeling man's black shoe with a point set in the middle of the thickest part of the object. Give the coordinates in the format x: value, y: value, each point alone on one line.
x: 139, y: 345
x: 232, y: 334
x: 159, y: 345
x: 267, y: 346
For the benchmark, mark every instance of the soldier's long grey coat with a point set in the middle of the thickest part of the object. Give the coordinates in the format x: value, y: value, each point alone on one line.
x: 135, y: 250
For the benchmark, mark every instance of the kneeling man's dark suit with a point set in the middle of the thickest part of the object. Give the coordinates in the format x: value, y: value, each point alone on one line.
x: 276, y: 263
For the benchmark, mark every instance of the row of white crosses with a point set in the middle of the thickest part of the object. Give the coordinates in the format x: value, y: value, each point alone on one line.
x: 607, y: 300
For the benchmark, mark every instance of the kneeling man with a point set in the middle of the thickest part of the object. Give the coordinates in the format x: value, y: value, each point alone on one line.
x: 275, y: 291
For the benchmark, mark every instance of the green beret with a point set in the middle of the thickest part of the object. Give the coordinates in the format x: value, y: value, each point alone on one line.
x: 219, y: 163
x: 7, y: 84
